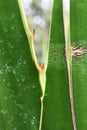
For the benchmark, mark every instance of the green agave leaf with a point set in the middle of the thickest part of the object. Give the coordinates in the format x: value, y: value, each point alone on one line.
x: 79, y: 38
x: 19, y: 85
x: 57, y: 113
x: 68, y: 55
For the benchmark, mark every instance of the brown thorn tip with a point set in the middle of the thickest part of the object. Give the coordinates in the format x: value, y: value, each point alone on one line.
x: 41, y: 97
x: 42, y: 67
x: 33, y: 32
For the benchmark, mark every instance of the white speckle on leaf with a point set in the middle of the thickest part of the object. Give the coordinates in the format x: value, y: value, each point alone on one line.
x: 25, y: 115
x: 25, y: 62
x: 33, y: 86
x: 33, y: 120
x: 14, y: 72
x: 20, y: 114
x: 12, y: 27
x: 4, y: 111
x: 7, y: 68
x: 3, y: 53
x: 23, y: 79
x: 14, y: 129
x: 1, y: 72
x: 25, y: 122
x: 10, y: 45
x: 18, y: 80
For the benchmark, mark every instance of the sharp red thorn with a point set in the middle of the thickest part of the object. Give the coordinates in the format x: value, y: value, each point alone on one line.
x: 42, y: 67
x: 33, y: 32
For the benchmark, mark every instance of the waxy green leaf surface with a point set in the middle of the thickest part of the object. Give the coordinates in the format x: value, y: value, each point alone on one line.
x: 19, y: 83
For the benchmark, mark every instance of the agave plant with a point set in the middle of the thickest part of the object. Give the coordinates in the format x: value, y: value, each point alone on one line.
x: 43, y: 65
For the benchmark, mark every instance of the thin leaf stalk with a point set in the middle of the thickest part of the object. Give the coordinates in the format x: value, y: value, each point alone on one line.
x: 66, y: 20
x: 42, y: 77
x: 41, y: 113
